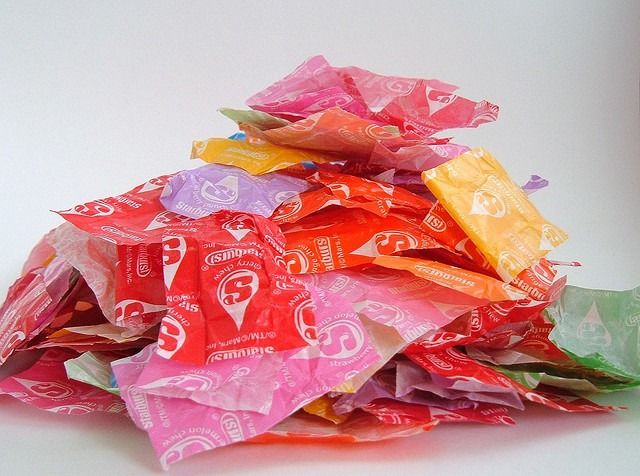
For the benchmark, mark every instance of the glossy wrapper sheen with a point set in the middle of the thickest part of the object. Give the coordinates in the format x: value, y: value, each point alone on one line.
x: 339, y: 270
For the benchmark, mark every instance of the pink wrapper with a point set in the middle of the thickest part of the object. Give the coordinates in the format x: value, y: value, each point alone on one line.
x: 411, y: 305
x: 315, y: 85
x: 184, y: 427
x: 227, y: 384
x: 426, y: 110
x: 45, y: 385
x: 415, y: 158
x: 410, y: 377
x: 31, y: 304
x: 312, y: 87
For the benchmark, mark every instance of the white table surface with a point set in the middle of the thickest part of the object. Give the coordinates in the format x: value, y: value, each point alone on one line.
x: 98, y: 97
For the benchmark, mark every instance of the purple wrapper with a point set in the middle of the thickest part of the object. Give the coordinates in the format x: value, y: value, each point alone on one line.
x: 534, y: 184
x: 203, y: 191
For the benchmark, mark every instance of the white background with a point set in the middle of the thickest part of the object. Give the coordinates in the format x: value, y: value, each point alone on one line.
x: 97, y: 97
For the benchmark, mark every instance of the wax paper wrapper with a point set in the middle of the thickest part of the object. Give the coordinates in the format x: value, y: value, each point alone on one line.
x: 339, y: 270
x: 418, y: 106
x: 359, y: 427
x: 249, y: 304
x: 94, y: 368
x: 455, y: 365
x: 95, y: 260
x: 415, y: 157
x: 398, y: 299
x: 600, y: 329
x: 519, y: 340
x: 394, y: 412
x: 186, y: 427
x: 45, y: 385
x: 475, y: 325
x: 536, y: 280
x: 131, y: 218
x: 335, y: 239
x: 410, y: 377
x: 97, y: 336
x: 40, y: 255
x: 211, y: 188
x: 330, y: 131
x: 131, y: 290
x: 32, y: 303
x: 493, y: 211
x: 534, y: 184
x: 425, y: 396
x: 255, y: 157
x: 259, y: 119
x: 243, y: 384
x: 351, y: 192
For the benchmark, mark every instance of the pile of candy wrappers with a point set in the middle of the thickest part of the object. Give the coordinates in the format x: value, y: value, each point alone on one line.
x: 334, y: 272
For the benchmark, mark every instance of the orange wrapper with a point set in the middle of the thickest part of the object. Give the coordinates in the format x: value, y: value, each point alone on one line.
x: 338, y: 238
x: 359, y: 427
x: 332, y: 130
x: 493, y: 211
x: 348, y: 191
x: 306, y: 203
x: 349, y: 185
x: 473, y: 284
x: 536, y: 280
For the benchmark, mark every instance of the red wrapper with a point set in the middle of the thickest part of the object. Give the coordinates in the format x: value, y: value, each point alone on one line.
x: 454, y: 364
x: 227, y: 293
x: 139, y: 286
x: 134, y: 217
x: 349, y: 191
x: 426, y: 110
x: 45, y: 385
x: 337, y: 238
x: 396, y: 412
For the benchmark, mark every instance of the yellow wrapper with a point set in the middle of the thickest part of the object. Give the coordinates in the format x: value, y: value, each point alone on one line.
x: 495, y: 213
x: 255, y: 158
x: 323, y: 407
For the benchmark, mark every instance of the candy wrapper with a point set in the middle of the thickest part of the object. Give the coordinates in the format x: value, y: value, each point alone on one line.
x: 337, y: 271
x: 212, y: 188
x: 45, y: 385
x: 250, y: 303
x: 493, y: 211
x: 600, y: 329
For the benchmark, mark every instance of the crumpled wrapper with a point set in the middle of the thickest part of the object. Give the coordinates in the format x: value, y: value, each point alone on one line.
x: 338, y: 270
x: 493, y: 211
x: 599, y: 329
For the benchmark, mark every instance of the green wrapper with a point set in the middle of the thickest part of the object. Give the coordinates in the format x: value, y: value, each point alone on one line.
x: 600, y: 330
x: 258, y: 119
x: 93, y: 368
x: 577, y: 385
